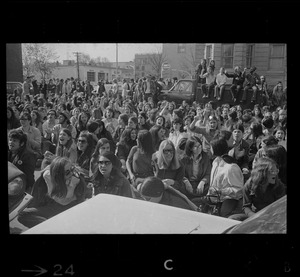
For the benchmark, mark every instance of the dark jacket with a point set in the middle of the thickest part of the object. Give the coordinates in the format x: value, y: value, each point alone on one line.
x: 242, y: 162
x: 258, y: 200
x: 237, y: 78
x: 25, y: 160
x: 117, y: 184
x: 204, y: 169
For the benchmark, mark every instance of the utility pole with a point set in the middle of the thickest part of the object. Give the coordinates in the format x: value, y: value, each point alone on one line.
x: 117, y: 60
x: 77, y: 58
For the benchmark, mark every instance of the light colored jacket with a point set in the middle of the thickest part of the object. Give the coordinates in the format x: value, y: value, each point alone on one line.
x: 227, y: 178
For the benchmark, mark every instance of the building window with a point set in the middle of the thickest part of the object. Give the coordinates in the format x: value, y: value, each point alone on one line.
x: 208, y: 53
x: 91, y: 76
x: 101, y: 76
x: 277, y: 57
x: 181, y: 48
x: 249, y: 55
x: 227, y: 55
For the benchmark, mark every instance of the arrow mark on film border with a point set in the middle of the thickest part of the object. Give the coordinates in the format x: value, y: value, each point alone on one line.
x: 40, y: 270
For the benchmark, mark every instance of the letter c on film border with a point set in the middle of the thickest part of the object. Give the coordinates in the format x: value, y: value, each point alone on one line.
x: 166, y: 266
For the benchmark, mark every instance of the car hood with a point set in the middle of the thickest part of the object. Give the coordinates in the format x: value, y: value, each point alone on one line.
x: 270, y: 220
x: 110, y: 214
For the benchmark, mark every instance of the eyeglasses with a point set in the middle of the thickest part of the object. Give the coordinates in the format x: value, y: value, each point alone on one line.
x: 106, y: 163
x: 51, y: 114
x: 82, y: 141
x: 166, y: 151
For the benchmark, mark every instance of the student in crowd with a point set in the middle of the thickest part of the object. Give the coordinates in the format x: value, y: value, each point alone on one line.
x: 36, y: 120
x: 221, y: 80
x: 177, y: 132
x: 108, y: 178
x: 197, y: 168
x: 63, y: 188
x: 279, y: 155
x: 240, y: 150
x: 168, y: 166
x: 226, y: 179
x: 158, y: 135
x: 34, y: 137
x: 279, y: 134
x: 153, y: 190
x: 142, y: 122
x: 122, y: 123
x: 237, y: 82
x: 66, y: 147
x: 85, y: 148
x: 21, y: 156
x: 127, y: 141
x: 208, y: 87
x: 139, y: 161
x: 12, y: 121
x: 81, y: 125
x: 261, y: 189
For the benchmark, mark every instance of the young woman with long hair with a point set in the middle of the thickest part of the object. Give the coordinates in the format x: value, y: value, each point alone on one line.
x: 139, y: 161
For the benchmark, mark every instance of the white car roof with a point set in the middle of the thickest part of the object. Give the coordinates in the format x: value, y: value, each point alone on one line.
x: 110, y: 214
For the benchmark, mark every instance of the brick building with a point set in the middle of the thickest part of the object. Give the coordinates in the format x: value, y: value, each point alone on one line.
x: 269, y: 59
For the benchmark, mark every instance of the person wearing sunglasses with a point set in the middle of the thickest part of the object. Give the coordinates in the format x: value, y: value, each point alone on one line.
x: 261, y: 189
x: 168, y: 166
x: 58, y: 188
x: 85, y: 148
x: 108, y: 177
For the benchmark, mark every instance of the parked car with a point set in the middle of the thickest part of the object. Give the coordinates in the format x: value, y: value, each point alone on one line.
x: 110, y: 214
x: 11, y: 86
x: 190, y: 91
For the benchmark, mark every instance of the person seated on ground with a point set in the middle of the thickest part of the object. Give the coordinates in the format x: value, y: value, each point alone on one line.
x: 63, y: 188
x: 66, y: 147
x: 177, y: 132
x: 85, y: 148
x: 34, y: 137
x: 168, y: 167
x: 21, y: 156
x: 139, y: 161
x: 266, y: 141
x: 261, y: 189
x: 197, y: 168
x: 240, y: 150
x: 48, y: 125
x: 108, y: 178
x: 153, y: 190
x: 279, y: 134
x: 103, y: 145
x: 226, y: 180
x: 278, y: 154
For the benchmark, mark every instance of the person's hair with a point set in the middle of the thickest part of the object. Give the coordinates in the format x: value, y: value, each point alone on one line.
x: 161, y: 162
x: 26, y: 114
x: 279, y: 128
x: 163, y: 118
x: 135, y: 120
x: 154, y: 133
x: 259, y: 173
x: 57, y: 173
x: 232, y: 115
x: 97, y: 113
x: 92, y: 126
x: 224, y: 134
x: 124, y: 117
x: 145, y: 141
x: 90, y: 142
x: 53, y: 111
x: 190, y: 143
x: 38, y: 118
x: 12, y: 121
x: 19, y: 135
x: 257, y: 129
x: 237, y: 126
x: 178, y: 112
x: 277, y: 153
x: 80, y: 126
x: 180, y: 121
x: 99, y: 144
x: 219, y: 146
x: 125, y: 138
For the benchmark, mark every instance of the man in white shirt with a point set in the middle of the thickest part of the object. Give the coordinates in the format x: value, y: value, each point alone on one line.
x: 221, y: 82
x: 125, y: 89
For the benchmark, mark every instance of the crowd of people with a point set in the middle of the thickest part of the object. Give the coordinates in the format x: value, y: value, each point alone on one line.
x: 89, y: 140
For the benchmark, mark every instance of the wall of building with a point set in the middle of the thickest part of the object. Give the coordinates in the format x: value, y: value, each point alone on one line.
x: 14, y: 65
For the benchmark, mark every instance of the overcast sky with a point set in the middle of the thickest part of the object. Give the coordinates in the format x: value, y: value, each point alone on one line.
x: 126, y: 51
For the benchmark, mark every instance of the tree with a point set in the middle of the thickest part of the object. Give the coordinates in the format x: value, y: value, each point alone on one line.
x: 188, y: 62
x: 156, y: 60
x: 84, y: 59
x: 38, y: 59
